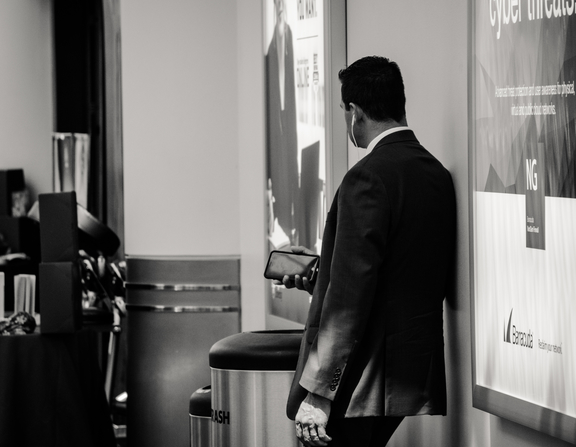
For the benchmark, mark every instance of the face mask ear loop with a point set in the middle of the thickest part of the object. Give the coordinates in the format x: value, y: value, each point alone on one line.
x: 352, y: 130
x: 352, y: 137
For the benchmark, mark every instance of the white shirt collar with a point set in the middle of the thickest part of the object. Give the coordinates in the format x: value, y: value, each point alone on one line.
x: 375, y: 141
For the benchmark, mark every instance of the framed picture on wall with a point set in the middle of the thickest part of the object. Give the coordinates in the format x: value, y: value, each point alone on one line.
x: 304, y: 47
x: 523, y: 212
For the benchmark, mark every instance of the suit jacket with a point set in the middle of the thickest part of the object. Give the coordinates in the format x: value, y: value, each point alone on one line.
x: 373, y: 342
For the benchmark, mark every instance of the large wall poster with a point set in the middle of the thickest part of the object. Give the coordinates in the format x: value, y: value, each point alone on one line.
x: 523, y: 199
x: 295, y: 130
x: 298, y: 78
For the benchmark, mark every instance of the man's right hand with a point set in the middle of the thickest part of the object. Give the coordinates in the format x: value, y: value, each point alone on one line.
x: 301, y: 283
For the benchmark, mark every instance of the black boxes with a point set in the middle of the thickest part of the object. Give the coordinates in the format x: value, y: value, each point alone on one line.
x: 58, y: 227
x: 59, y: 275
x: 61, y: 297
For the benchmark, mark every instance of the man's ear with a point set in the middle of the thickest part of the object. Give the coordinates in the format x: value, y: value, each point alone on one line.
x: 357, y: 111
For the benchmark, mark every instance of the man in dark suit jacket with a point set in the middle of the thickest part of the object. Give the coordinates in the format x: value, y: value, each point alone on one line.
x: 281, y: 137
x: 373, y: 349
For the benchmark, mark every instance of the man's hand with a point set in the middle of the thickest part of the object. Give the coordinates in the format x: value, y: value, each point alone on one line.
x: 299, y: 282
x: 311, y: 421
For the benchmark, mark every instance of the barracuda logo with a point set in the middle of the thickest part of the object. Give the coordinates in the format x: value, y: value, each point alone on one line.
x: 516, y: 336
x: 507, y: 331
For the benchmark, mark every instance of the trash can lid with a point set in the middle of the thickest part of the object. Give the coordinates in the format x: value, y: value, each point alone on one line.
x: 201, y: 402
x: 257, y: 351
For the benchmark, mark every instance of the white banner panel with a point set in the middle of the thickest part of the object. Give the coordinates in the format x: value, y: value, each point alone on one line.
x: 523, y: 199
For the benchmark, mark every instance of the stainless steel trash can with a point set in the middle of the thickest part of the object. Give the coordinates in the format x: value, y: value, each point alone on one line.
x: 199, y: 413
x: 251, y: 377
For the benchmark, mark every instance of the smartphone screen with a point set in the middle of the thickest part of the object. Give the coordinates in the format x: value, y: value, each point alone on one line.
x: 281, y: 263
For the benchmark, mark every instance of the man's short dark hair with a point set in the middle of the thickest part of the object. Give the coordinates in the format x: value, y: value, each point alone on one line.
x: 375, y: 84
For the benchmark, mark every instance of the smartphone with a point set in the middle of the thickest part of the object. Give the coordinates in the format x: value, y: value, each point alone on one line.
x: 281, y: 263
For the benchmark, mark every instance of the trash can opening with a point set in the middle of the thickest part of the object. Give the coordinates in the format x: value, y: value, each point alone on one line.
x: 200, y: 402
x: 257, y: 351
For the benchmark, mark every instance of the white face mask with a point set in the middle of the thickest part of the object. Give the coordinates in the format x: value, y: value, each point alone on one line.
x: 352, y: 137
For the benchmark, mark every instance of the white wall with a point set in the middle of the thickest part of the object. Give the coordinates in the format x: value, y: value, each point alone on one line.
x: 193, y: 110
x: 251, y: 119
x: 26, y: 91
x: 180, y: 112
